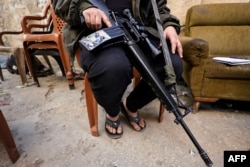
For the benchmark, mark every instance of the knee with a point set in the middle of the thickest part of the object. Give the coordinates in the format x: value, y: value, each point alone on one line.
x: 177, y: 65
x: 118, y: 68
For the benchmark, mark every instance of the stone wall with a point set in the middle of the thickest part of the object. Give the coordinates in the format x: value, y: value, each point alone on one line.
x: 11, y: 12
x: 179, y: 9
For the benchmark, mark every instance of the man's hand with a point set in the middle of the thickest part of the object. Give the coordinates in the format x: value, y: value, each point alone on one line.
x: 170, y: 33
x: 94, y: 18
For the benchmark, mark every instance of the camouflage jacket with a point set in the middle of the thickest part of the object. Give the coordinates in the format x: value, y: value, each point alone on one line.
x: 70, y: 11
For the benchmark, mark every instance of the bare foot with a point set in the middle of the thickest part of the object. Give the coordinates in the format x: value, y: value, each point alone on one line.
x: 113, y: 129
x: 134, y: 119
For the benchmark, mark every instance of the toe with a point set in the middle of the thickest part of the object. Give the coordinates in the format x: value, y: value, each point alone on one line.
x: 142, y: 123
x: 136, y: 126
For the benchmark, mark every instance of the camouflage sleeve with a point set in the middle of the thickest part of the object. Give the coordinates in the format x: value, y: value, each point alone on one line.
x: 70, y: 10
x: 167, y: 18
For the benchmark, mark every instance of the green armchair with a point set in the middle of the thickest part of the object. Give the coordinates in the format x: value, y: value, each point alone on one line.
x: 226, y: 30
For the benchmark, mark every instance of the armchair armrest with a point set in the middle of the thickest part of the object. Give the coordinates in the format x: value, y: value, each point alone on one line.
x: 194, y: 50
x: 8, y: 33
x: 35, y: 22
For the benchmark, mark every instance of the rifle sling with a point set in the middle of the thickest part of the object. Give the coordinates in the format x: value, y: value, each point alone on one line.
x: 161, y: 34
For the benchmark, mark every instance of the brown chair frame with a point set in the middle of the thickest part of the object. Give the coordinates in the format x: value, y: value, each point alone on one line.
x: 7, y: 140
x: 48, y: 41
x: 18, y: 53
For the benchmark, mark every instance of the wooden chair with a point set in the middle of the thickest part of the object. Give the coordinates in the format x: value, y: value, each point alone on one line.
x: 92, y: 104
x: 17, y: 52
x: 49, y: 42
x: 7, y: 140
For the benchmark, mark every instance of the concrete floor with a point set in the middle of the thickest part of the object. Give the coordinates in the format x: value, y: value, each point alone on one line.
x: 50, y: 127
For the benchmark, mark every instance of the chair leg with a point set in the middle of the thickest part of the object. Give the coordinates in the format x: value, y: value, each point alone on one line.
x: 46, y: 58
x: 70, y: 78
x: 68, y: 68
x: 60, y: 64
x: 161, y: 113
x: 1, y: 74
x: 20, y: 61
x: 34, y: 76
x: 29, y: 60
x: 7, y: 139
x: 198, y: 100
x: 91, y: 107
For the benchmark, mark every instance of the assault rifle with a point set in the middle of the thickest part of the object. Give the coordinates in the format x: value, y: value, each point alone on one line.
x: 128, y: 32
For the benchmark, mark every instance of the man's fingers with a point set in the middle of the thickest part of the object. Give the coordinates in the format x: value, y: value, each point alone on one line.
x: 179, y: 49
x: 97, y: 23
x: 106, y: 20
x: 95, y: 18
x: 173, y: 47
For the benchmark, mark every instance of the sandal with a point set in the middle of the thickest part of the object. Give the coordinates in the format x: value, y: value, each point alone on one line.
x: 115, y: 125
x: 132, y: 119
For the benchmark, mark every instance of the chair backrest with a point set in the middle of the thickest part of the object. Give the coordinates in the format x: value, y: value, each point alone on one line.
x: 58, y: 23
x: 225, y: 26
x: 38, y: 23
x: 46, y: 22
x: 46, y: 27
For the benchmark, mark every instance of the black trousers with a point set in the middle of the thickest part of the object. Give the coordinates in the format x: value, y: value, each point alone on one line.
x: 110, y: 72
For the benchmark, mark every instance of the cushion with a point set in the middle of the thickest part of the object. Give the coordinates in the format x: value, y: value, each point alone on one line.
x: 215, y: 69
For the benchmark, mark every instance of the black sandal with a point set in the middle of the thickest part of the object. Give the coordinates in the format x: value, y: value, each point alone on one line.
x: 115, y: 125
x: 132, y: 119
